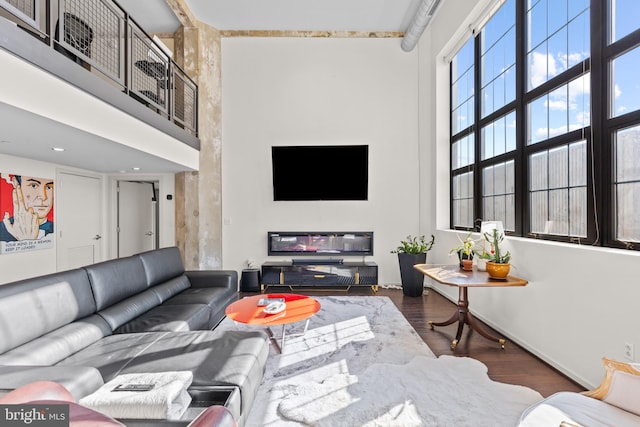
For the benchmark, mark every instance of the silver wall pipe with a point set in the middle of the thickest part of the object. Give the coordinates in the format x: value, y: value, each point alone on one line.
x: 419, y: 23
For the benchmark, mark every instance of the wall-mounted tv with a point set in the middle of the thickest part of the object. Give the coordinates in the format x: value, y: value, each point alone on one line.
x: 320, y: 172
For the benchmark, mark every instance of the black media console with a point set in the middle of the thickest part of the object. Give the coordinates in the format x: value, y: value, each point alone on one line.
x: 322, y: 265
x: 344, y: 275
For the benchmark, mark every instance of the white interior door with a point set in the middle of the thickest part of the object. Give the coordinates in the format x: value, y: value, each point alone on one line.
x: 136, y: 218
x: 78, y: 220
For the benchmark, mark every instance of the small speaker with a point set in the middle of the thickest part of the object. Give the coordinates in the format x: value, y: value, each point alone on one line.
x: 250, y: 280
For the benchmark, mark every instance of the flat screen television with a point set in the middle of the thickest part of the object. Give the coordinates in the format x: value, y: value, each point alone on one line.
x: 320, y: 172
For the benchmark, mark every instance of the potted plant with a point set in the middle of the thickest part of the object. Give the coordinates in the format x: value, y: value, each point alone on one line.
x: 498, y: 265
x: 465, y: 251
x: 413, y: 251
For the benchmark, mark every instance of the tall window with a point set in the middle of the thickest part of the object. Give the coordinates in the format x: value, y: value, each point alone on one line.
x: 553, y: 147
x: 463, y: 145
x: 622, y: 125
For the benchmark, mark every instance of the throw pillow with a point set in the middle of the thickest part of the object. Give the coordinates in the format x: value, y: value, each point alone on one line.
x: 620, y: 386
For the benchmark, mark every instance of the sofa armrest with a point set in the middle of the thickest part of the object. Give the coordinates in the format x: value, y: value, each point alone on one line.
x: 575, y: 409
x: 213, y: 278
x: 79, y: 380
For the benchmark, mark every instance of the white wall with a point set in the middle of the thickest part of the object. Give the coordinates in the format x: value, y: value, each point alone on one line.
x: 581, y: 302
x: 318, y: 91
x: 35, y: 263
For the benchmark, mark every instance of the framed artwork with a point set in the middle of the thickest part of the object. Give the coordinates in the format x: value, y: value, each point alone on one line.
x: 26, y: 207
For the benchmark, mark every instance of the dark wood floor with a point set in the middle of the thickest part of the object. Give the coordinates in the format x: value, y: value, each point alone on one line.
x: 513, y: 365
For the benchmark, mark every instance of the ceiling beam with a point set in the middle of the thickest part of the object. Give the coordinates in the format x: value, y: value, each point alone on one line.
x: 325, y: 34
x: 183, y: 13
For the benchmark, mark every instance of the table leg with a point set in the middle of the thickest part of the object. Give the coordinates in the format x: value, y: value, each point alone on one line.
x: 274, y: 340
x: 463, y: 315
x: 280, y: 346
x: 472, y: 323
x: 282, y: 341
x: 445, y: 323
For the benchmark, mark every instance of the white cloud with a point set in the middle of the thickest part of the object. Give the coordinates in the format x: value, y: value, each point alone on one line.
x: 540, y: 134
x: 544, y: 66
x: 544, y: 133
x: 580, y: 86
x: 583, y: 118
x: 557, y: 131
x: 541, y: 66
x: 571, y: 59
x: 616, y: 91
x: 557, y: 104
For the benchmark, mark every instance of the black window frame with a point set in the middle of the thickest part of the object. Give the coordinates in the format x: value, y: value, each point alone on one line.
x: 599, y: 134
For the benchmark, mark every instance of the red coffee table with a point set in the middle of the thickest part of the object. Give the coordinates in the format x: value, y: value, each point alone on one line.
x: 299, y: 308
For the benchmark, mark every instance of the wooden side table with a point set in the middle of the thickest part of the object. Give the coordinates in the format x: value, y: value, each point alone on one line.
x: 453, y: 275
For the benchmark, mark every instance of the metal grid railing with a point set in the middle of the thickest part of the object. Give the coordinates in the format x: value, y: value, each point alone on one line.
x: 185, y: 100
x: 27, y: 10
x: 100, y: 36
x: 94, y: 32
x: 150, y: 71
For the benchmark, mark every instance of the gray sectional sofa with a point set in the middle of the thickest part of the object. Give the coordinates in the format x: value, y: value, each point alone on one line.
x: 138, y: 314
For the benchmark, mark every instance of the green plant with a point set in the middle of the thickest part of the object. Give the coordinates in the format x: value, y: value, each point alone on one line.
x: 414, y: 245
x: 495, y: 254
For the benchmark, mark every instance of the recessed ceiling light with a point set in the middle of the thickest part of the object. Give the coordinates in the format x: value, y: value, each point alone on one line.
x: 135, y: 169
x: 123, y: 171
x: 57, y: 149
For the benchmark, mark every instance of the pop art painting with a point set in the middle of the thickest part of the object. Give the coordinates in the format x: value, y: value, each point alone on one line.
x: 26, y: 206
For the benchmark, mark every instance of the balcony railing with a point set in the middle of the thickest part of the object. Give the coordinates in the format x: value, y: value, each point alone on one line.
x: 101, y: 37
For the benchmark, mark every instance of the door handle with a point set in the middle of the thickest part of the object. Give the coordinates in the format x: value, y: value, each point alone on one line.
x: 97, y: 237
x: 149, y: 233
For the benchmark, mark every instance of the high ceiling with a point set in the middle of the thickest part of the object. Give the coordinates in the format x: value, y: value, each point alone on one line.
x: 280, y: 15
x: 32, y: 136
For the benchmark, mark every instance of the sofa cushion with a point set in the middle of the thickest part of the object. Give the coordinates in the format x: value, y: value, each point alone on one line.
x: 161, y: 265
x: 33, y: 307
x: 117, y: 279
x: 209, y: 296
x: 112, y: 353
x: 214, y: 357
x: 217, y: 298
x: 59, y: 344
x: 184, y: 317
x: 130, y: 308
x: 171, y: 287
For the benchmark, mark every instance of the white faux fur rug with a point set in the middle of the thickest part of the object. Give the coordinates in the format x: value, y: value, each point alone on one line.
x: 362, y: 364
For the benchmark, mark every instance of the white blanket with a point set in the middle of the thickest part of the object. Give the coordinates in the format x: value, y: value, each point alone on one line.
x: 168, y: 399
